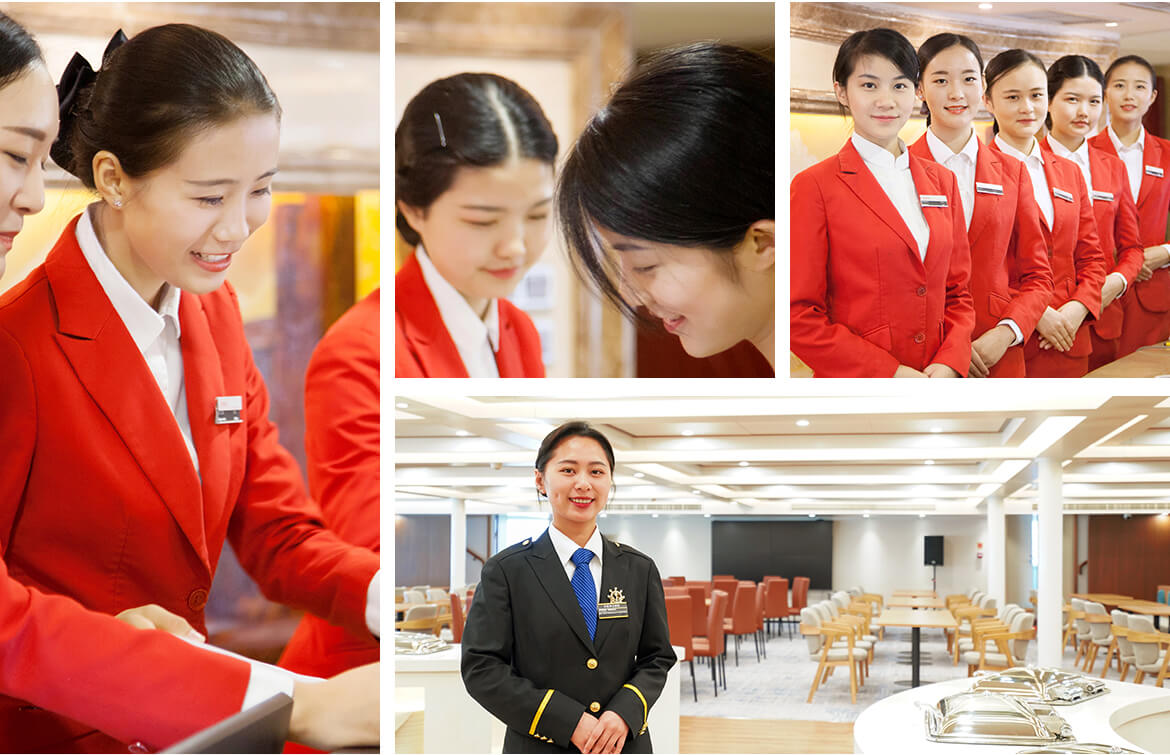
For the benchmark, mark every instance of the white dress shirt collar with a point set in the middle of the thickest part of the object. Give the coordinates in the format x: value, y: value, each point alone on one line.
x: 1080, y: 156
x: 962, y: 164
x: 144, y: 323
x: 940, y: 151
x: 1035, y: 154
x: 1034, y: 164
x: 1139, y: 145
x: 880, y: 156
x: 565, y: 547
x: 473, y: 337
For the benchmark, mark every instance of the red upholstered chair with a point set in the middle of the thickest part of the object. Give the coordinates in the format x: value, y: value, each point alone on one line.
x: 776, y: 601
x: 677, y: 591
x: 698, y: 610
x: 712, y: 646
x: 722, y: 576
x: 743, y: 618
x: 678, y: 616
x: 674, y: 581
x: 457, y: 619
x: 799, y: 594
x: 727, y: 585
x: 760, y: 619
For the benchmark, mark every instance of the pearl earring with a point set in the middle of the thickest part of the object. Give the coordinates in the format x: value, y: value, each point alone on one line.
x: 117, y: 202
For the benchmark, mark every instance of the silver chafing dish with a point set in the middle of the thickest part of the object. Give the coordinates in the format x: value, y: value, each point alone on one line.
x: 983, y: 718
x: 1046, y: 685
x: 1075, y: 748
x: 418, y: 643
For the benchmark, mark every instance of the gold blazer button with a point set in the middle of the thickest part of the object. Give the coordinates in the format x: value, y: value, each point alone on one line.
x: 591, y: 663
x: 594, y: 706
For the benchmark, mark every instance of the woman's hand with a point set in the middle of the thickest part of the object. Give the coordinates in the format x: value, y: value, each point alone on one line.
x: 585, y: 727
x: 988, y: 349
x: 905, y: 371
x: 609, y: 735
x: 1112, y: 289
x: 153, y: 616
x: 338, y: 712
x: 936, y: 370
x: 1054, y: 331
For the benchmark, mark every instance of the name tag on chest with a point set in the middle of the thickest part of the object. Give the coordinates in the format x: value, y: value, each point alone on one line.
x: 613, y: 611
x: 229, y: 410
x: 1104, y: 196
x: 982, y: 188
x: 1153, y: 170
x: 933, y: 200
x: 1062, y: 194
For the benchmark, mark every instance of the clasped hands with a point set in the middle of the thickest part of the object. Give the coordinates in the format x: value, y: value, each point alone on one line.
x: 606, y: 734
x: 1058, y: 327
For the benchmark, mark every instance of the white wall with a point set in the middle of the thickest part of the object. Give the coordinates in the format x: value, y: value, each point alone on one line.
x: 1019, y: 565
x: 885, y: 553
x: 679, y: 545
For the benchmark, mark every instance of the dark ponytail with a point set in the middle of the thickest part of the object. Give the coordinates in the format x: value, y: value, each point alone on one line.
x: 153, y: 94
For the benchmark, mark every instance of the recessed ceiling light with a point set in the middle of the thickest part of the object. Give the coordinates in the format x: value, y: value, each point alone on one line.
x: 865, y: 515
x: 462, y: 433
x: 706, y: 516
x: 936, y: 429
x: 402, y: 405
x: 984, y: 6
x: 812, y: 516
x: 929, y: 462
x: 922, y: 516
x: 696, y: 491
x: 743, y: 464
x: 1111, y: 24
x: 802, y: 423
x: 639, y: 474
x: 603, y: 515
x: 688, y: 432
x: 653, y: 516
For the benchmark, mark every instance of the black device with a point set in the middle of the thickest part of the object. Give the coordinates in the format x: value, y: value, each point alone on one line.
x: 933, y: 550
x: 261, y: 728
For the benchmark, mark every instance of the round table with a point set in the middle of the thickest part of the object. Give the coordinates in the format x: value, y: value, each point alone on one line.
x: 1141, y: 711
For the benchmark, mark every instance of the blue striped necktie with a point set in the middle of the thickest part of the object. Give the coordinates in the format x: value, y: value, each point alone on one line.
x: 583, y: 585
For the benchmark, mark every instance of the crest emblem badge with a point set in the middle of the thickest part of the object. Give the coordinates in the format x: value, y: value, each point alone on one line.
x: 616, y: 595
x: 616, y: 608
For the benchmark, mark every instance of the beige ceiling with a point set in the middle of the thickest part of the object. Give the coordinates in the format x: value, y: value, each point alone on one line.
x: 857, y: 454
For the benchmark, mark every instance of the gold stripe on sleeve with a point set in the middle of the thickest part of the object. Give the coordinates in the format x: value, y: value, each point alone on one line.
x: 544, y: 702
x: 645, y: 710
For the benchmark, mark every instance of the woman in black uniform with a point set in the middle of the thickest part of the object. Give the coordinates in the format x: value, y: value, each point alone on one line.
x: 566, y: 641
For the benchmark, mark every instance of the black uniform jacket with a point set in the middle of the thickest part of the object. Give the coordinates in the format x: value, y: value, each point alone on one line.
x: 528, y: 659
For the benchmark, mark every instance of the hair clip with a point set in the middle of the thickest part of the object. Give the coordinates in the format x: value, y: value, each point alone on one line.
x: 442, y: 136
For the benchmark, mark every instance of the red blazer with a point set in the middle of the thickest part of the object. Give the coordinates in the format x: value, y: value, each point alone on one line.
x: 423, y: 347
x: 863, y: 301
x: 1010, y: 275
x: 99, y: 500
x: 1117, y: 225
x: 342, y: 437
x: 1153, y: 206
x: 1078, y: 267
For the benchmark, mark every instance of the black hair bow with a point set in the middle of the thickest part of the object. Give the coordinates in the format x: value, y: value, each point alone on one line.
x: 78, y: 75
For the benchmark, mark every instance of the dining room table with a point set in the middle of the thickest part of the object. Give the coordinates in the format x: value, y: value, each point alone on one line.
x: 1146, y: 362
x: 1108, y: 599
x: 1146, y: 608
x: 914, y: 592
x: 917, y: 621
x: 901, y: 601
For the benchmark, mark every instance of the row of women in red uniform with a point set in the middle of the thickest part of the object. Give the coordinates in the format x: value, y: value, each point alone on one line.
x: 1033, y: 255
x: 134, y: 423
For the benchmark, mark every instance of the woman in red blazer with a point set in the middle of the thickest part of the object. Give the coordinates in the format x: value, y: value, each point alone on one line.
x: 109, y: 500
x: 342, y: 450
x: 1075, y: 86
x: 1130, y: 89
x: 473, y: 186
x: 1017, y: 96
x: 879, y: 288
x: 1011, y: 281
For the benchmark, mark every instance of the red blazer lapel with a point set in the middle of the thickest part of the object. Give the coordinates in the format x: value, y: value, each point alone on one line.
x: 508, y: 358
x: 1151, y: 155
x: 1061, y: 178
x: 109, y: 365
x: 988, y: 170
x: 422, y: 325
x: 854, y: 173
x: 939, y: 219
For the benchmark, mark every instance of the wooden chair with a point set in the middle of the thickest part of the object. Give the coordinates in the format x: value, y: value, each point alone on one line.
x: 821, y: 637
x: 418, y: 619
x: 829, y: 614
x: 712, y: 646
x: 678, y: 618
x: 1011, y: 646
x: 1120, y: 645
x: 981, y: 626
x: 1083, y: 633
x: 1099, y: 623
x: 1147, y: 642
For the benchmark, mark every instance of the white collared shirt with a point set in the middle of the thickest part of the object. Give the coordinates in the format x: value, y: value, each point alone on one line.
x: 962, y: 164
x: 1133, y: 157
x: 565, y: 549
x: 1081, y: 157
x: 893, y: 175
x: 1034, y: 163
x: 476, y: 340
x: 155, y: 333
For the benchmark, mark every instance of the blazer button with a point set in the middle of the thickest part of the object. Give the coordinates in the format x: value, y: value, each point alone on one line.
x: 594, y: 706
x: 921, y: 291
x: 197, y: 599
x: 591, y: 663
x: 919, y: 337
x: 138, y: 747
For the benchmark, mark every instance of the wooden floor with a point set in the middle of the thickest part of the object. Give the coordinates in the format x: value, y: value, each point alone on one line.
x: 698, y: 734
x: 755, y: 735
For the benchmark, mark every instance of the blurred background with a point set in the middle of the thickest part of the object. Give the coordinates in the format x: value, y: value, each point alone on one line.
x: 569, y: 56
x: 318, y: 252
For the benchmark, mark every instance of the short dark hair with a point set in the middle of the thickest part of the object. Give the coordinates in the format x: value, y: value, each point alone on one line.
x: 1003, y: 64
x: 18, y: 50
x: 682, y: 154
x: 1132, y: 59
x: 573, y: 429
x: 885, y: 43
x: 154, y: 93
x: 1071, y: 67
x: 936, y: 44
x: 472, y: 119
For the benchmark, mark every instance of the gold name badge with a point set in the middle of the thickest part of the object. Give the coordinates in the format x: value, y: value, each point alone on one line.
x: 616, y: 608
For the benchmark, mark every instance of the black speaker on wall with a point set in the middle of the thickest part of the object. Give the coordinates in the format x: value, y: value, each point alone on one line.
x: 933, y: 549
